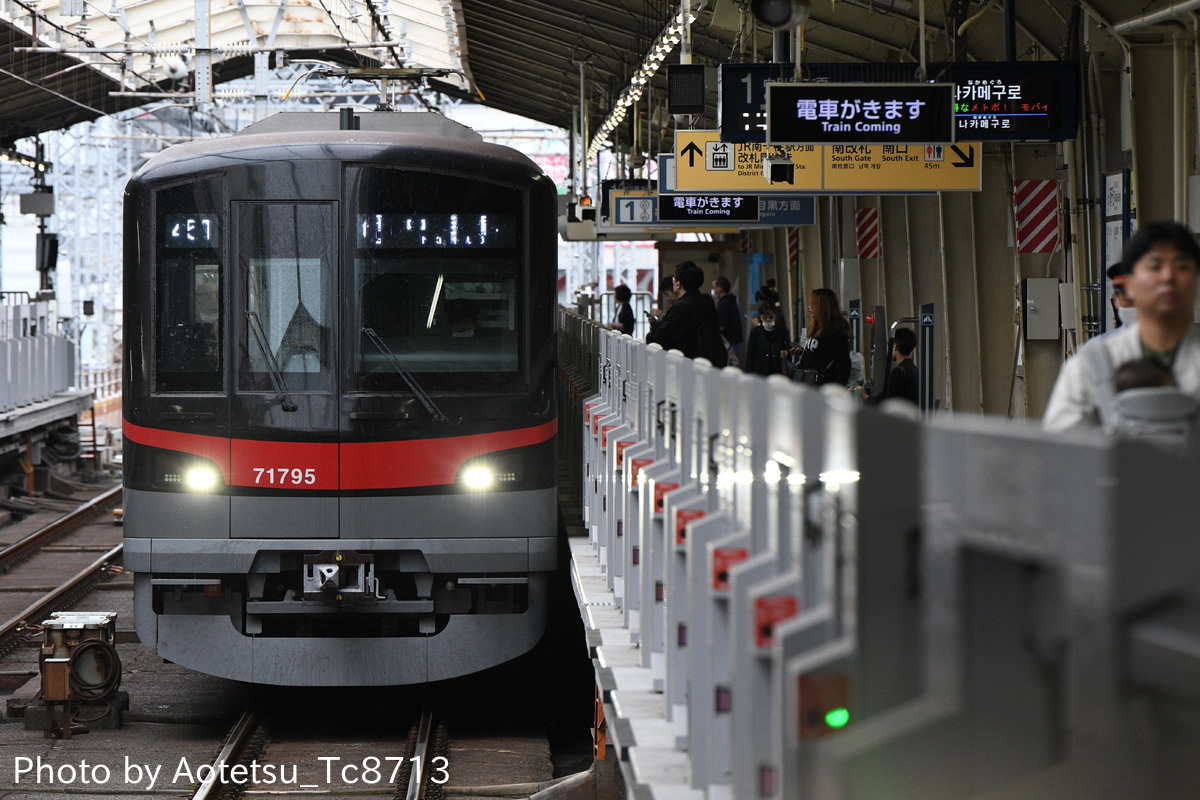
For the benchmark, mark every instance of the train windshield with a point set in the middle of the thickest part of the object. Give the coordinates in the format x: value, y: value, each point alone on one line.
x: 437, y: 281
x: 188, y: 308
x: 287, y: 254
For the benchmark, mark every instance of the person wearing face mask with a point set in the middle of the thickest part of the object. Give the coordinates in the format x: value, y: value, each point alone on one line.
x: 767, y: 345
x: 1162, y: 261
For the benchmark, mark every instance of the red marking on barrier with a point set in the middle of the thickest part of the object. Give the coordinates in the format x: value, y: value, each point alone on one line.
x: 724, y: 559
x: 635, y: 466
x: 660, y: 491
x: 819, y: 694
x: 682, y: 518
x: 769, y: 611
x: 604, y: 429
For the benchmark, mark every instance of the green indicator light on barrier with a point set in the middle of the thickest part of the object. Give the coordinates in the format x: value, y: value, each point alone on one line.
x: 837, y: 718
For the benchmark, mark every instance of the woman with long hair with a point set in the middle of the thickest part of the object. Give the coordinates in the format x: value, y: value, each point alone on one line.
x: 825, y: 353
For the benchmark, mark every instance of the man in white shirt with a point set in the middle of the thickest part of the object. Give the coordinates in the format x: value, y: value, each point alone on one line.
x: 1163, y: 259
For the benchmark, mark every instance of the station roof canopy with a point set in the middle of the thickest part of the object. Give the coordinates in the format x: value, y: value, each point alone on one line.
x: 63, y: 61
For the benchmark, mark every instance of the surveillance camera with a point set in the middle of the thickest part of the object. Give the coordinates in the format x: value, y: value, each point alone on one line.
x: 779, y: 169
x: 781, y: 13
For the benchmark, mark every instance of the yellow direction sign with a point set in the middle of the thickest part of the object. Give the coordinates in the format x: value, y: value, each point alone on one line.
x: 704, y: 163
x: 872, y: 169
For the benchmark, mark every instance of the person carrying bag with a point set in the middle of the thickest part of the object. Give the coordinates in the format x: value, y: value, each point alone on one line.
x: 825, y: 354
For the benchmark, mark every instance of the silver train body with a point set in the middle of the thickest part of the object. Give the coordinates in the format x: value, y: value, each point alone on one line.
x: 339, y: 412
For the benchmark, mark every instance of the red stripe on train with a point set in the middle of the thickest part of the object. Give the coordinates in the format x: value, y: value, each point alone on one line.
x: 427, y: 462
x: 214, y: 448
x: 362, y: 465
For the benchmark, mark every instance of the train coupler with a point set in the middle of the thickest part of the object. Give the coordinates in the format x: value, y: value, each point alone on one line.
x: 341, y: 576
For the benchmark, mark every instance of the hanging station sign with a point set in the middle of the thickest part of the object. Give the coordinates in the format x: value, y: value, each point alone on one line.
x: 708, y: 208
x: 1016, y: 100
x: 860, y: 113
x: 742, y: 100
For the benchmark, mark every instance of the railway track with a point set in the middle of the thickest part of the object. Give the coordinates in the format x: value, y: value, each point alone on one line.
x: 30, y: 596
x: 254, y: 762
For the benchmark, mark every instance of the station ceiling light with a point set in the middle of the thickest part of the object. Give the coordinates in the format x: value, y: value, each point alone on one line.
x: 670, y: 36
x: 24, y: 160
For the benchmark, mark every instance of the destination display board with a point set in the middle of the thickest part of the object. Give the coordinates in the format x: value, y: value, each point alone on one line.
x: 994, y: 101
x: 708, y: 208
x: 860, y: 113
x: 1016, y: 101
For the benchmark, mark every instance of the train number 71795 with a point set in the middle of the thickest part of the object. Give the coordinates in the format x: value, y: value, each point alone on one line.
x: 285, y: 476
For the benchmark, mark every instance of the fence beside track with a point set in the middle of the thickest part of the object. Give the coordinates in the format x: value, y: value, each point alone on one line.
x: 791, y: 595
x: 37, y: 364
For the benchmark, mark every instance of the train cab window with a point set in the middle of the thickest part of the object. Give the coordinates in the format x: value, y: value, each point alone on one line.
x: 188, y: 352
x: 436, y: 281
x: 286, y: 252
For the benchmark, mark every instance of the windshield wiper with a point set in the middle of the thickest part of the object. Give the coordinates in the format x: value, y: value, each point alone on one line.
x: 260, y: 336
x: 416, y: 389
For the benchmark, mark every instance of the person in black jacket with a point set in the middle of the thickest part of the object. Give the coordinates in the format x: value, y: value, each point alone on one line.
x: 768, y: 343
x: 825, y: 355
x: 728, y: 314
x: 691, y: 315
x: 623, y: 319
x: 905, y: 379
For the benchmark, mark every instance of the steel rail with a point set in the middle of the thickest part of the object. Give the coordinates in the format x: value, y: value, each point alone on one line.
x: 35, y: 541
x: 230, y: 753
x: 417, y: 778
x: 43, y: 606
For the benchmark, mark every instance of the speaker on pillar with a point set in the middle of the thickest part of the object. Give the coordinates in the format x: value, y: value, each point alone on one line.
x: 780, y: 13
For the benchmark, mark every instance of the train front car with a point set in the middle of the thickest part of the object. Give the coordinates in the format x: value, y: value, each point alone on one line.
x: 339, y: 411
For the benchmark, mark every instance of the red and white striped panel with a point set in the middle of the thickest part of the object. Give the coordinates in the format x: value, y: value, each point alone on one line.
x: 866, y: 227
x: 1036, y: 206
x: 793, y: 247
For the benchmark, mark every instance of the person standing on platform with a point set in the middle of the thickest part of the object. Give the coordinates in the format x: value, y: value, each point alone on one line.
x: 766, y: 347
x: 668, y: 294
x: 1122, y: 304
x: 825, y: 354
x: 729, y: 316
x: 904, y: 380
x: 623, y: 314
x: 691, y: 325
x: 1162, y: 259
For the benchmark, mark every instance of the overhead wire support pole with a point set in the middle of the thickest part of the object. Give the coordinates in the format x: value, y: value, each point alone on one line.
x: 921, y: 35
x: 583, y: 130
x: 685, y: 43
x: 204, y: 80
x: 1010, y: 30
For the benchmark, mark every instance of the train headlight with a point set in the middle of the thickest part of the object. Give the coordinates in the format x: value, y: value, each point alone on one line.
x: 200, y: 479
x: 478, y: 478
x: 491, y: 473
